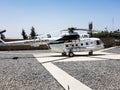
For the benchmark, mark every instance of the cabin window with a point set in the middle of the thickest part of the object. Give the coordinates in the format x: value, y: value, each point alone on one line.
x: 66, y: 45
x: 72, y: 45
x: 76, y: 44
x: 86, y: 43
x: 81, y: 44
x: 91, y: 42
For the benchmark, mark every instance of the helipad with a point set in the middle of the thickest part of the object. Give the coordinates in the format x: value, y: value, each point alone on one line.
x: 63, y: 77
x: 43, y: 70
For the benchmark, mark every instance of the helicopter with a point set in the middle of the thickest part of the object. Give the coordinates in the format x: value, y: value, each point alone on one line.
x: 72, y: 42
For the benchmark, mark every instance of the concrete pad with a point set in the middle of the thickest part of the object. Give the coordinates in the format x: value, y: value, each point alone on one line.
x: 49, y: 57
x: 82, y: 56
x: 66, y: 80
x: 106, y: 49
x: 108, y: 57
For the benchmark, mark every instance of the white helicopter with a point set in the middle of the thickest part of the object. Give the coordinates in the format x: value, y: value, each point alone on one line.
x: 72, y: 42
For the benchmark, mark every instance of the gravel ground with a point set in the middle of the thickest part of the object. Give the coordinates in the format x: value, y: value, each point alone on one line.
x: 27, y: 51
x: 114, y: 50
x: 25, y: 73
x: 98, y: 75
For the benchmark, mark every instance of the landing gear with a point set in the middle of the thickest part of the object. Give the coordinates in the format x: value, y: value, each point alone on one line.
x: 70, y: 54
x: 91, y: 52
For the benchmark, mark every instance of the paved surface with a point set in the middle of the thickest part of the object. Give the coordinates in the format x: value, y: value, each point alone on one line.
x: 113, y: 50
x: 99, y: 72
x: 19, y: 70
x: 98, y: 75
x: 26, y: 51
x: 25, y: 73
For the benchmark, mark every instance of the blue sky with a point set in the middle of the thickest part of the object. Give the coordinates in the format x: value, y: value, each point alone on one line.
x: 51, y: 16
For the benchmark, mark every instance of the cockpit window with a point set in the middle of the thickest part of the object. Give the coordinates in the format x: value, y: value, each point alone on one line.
x: 98, y: 42
x: 69, y: 38
x: 0, y: 41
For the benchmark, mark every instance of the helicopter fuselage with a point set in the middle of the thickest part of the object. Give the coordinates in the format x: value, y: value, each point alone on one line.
x: 73, y: 43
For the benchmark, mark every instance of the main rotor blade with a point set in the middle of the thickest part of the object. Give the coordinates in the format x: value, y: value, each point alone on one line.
x: 2, y: 31
x: 80, y: 29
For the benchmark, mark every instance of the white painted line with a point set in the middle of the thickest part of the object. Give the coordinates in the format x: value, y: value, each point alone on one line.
x: 45, y: 58
x: 67, y: 81
x: 48, y: 57
x: 106, y: 49
x: 108, y: 57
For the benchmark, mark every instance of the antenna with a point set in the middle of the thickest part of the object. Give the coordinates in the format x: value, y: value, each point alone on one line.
x: 90, y: 27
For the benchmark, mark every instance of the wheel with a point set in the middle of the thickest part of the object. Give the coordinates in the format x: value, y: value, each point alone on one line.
x: 64, y: 54
x: 91, y: 52
x: 70, y: 54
